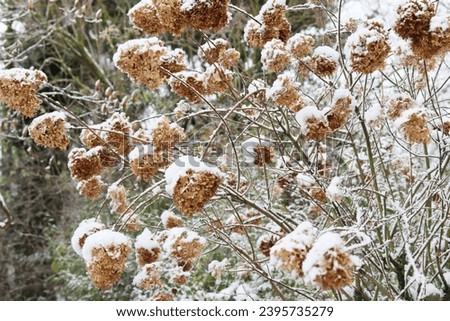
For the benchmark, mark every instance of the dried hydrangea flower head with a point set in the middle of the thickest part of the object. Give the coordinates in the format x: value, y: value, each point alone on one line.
x: 313, y: 123
x: 49, y: 130
x: 289, y: 253
x: 149, y: 277
x: 118, y: 195
x: 206, y: 15
x: 398, y: 104
x: 266, y: 242
x: 342, y: 105
x: 145, y: 163
x: 18, y: 89
x: 212, y: 50
x: 368, y: 47
x: 84, y: 229
x: 147, y: 248
x: 413, y: 23
x: 192, y: 183
x: 166, y: 135
x: 190, y: 85
x: 324, y: 61
x: 413, y: 124
x: 174, y: 16
x: 327, y: 264
x: 171, y: 16
x: 170, y: 220
x: 144, y: 61
x: 144, y: 16
x: 91, y: 140
x: 117, y: 133
x: 258, y: 151
x: 274, y: 56
x: 183, y: 245
x: 84, y: 164
x: 92, y: 187
x: 439, y: 36
x: 217, y: 51
x: 272, y: 25
x: 217, y: 79
x: 300, y: 46
x: 285, y: 92
x: 105, y: 253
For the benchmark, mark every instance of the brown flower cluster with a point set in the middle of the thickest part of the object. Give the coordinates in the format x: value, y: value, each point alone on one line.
x: 285, y: 92
x: 313, y: 123
x: 328, y: 265
x: 341, y: 109
x: 170, y: 220
x: 324, y: 61
x: 398, y: 104
x: 414, y: 126
x: 174, y: 16
x: 116, y: 133
x: 263, y: 154
x: 300, y: 45
x: 49, y: 130
x: 184, y: 246
x: 113, y: 136
x: 92, y: 187
x: 270, y: 23
x: 428, y: 33
x: 147, y: 249
x: 166, y: 135
x: 84, y: 164
x: 189, y: 84
x: 91, y: 137
x: 149, y: 277
x: 105, y: 254
x: 145, y: 161
x: 194, y: 189
x: 368, y: 47
x: 146, y: 61
x: 194, y: 85
x: 217, y: 51
x: 18, y: 89
x: 266, y: 242
x: 118, y: 195
x: 275, y: 57
x: 146, y: 165
x: 290, y: 252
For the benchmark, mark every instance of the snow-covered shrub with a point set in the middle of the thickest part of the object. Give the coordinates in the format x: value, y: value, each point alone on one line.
x: 308, y: 166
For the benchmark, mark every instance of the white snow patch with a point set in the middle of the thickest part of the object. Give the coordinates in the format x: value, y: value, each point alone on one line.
x: 335, y: 191
x: 145, y: 241
x: 327, y: 52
